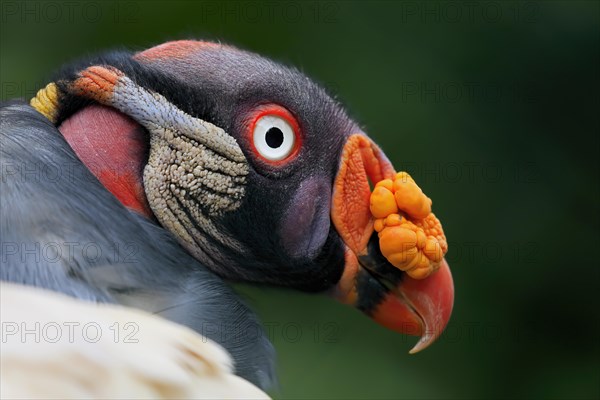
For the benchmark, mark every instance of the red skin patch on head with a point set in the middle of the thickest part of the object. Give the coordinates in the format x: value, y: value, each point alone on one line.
x: 114, y: 148
x: 97, y: 82
x: 176, y: 49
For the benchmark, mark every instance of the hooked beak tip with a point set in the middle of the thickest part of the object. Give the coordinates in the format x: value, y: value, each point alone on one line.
x: 432, y: 300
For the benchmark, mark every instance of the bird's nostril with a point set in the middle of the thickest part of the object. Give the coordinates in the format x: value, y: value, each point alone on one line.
x: 274, y: 137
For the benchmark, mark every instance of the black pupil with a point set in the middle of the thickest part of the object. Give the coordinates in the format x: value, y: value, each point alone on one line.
x: 274, y: 137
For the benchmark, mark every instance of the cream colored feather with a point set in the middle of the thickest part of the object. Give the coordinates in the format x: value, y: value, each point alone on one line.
x: 54, y: 346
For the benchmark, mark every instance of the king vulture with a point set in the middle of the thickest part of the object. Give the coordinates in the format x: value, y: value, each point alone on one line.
x: 150, y: 180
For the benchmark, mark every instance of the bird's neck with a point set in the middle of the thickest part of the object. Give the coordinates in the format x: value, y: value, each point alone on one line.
x: 114, y: 148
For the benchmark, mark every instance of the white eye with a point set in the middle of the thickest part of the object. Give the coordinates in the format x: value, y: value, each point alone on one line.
x: 273, y: 137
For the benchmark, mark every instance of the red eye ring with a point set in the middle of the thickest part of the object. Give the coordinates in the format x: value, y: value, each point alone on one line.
x: 273, y: 112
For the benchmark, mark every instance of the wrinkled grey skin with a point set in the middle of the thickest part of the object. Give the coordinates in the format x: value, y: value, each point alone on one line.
x: 61, y: 229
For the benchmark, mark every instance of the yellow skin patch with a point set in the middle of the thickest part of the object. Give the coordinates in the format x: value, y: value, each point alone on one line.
x: 46, y: 101
x: 410, y: 236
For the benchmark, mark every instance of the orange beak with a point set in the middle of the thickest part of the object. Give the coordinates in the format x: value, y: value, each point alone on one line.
x: 420, y: 307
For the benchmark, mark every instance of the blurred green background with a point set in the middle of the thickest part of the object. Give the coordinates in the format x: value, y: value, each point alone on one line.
x: 493, y: 108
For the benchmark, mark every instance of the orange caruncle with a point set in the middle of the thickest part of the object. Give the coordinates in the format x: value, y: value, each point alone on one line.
x: 410, y: 236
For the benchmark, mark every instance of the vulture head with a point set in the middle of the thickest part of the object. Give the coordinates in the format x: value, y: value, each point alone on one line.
x: 256, y: 171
